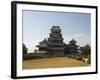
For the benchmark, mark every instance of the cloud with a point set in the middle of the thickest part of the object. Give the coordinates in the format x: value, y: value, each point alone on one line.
x: 81, y: 39
x: 31, y: 45
x: 78, y: 35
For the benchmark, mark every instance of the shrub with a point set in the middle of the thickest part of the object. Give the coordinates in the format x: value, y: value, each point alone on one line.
x: 69, y: 56
x: 89, y: 59
x: 78, y: 58
x: 34, y: 56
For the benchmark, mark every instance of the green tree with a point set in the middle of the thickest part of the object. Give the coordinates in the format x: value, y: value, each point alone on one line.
x: 24, y: 49
x: 86, y: 51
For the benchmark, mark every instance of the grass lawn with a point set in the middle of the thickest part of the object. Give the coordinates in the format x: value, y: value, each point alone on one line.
x: 52, y: 63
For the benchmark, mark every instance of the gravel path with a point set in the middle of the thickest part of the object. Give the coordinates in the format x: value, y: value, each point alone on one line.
x: 52, y: 63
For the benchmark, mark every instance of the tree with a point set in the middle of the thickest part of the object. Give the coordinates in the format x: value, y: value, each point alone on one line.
x: 24, y: 49
x: 86, y: 50
x: 35, y: 51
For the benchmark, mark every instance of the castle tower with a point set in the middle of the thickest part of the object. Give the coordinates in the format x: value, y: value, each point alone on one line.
x: 55, y: 42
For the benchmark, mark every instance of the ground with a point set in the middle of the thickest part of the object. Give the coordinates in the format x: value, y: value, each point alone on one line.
x: 52, y: 63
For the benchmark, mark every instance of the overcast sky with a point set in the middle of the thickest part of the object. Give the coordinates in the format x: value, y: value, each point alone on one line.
x: 37, y: 24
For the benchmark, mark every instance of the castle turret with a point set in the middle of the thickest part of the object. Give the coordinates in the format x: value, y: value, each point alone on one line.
x: 73, y: 48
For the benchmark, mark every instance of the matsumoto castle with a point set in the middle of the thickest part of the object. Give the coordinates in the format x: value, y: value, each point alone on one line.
x: 55, y: 46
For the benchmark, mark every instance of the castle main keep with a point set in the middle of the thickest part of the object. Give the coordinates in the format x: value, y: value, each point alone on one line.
x: 55, y: 46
